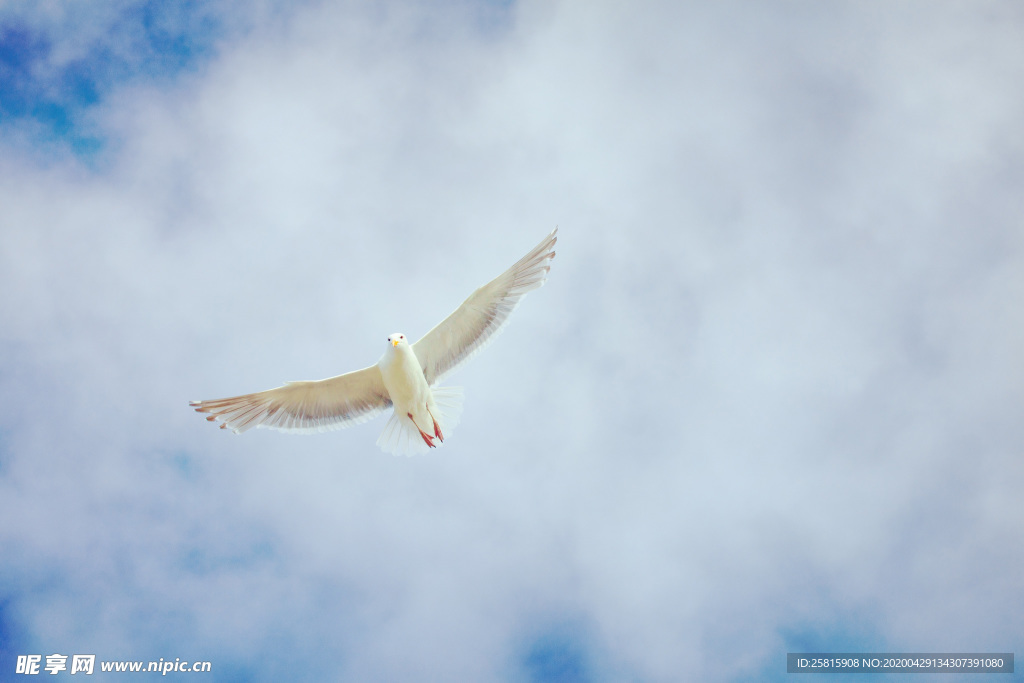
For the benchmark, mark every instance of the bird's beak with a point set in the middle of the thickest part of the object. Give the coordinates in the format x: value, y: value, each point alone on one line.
x: 394, y: 343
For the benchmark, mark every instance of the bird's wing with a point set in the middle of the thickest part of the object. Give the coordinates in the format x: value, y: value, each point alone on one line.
x: 304, y: 406
x: 480, y: 317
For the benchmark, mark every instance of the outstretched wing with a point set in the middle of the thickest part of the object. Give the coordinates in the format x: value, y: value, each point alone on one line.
x: 304, y: 406
x: 480, y: 317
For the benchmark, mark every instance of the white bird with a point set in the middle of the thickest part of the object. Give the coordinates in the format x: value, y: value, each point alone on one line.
x: 405, y: 377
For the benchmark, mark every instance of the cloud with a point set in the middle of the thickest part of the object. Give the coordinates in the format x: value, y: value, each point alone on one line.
x: 765, y: 402
x: 59, y: 60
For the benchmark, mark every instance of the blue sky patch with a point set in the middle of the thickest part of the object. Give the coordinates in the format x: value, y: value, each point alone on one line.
x: 12, y: 642
x: 849, y: 631
x: 559, y: 655
x: 51, y: 98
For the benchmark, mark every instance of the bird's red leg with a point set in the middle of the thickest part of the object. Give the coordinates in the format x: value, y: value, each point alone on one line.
x: 437, y: 427
x: 427, y: 438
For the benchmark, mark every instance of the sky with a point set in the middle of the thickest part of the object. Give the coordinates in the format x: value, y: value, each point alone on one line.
x: 768, y: 401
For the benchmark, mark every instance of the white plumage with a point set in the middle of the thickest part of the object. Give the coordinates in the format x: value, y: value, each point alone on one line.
x: 404, y: 378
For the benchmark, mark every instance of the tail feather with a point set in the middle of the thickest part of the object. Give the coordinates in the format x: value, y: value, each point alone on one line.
x: 401, y: 437
x: 449, y: 403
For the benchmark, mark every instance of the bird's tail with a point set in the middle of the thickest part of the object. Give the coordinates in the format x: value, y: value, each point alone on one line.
x: 401, y: 436
x: 449, y: 403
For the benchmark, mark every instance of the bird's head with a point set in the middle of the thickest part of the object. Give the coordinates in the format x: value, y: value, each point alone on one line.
x: 397, y: 339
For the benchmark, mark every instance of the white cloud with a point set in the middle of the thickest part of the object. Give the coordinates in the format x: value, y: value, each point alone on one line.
x: 770, y: 386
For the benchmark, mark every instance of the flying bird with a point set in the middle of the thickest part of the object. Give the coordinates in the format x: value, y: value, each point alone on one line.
x: 405, y: 378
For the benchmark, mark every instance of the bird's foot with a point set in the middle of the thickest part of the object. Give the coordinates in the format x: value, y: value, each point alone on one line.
x: 427, y: 438
x: 437, y: 431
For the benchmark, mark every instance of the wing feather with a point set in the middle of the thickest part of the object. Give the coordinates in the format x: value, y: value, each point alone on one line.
x: 483, y: 315
x: 314, y: 406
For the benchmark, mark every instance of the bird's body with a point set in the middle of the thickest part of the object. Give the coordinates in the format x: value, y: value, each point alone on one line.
x: 405, y: 378
x: 410, y: 394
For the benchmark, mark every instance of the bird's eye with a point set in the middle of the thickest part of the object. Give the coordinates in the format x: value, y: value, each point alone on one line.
x: 401, y: 336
